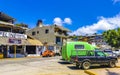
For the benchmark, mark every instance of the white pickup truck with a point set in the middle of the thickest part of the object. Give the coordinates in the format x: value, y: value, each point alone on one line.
x: 117, y: 52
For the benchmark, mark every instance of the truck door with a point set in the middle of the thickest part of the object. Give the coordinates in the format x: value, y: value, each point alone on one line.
x: 100, y: 57
x: 91, y: 56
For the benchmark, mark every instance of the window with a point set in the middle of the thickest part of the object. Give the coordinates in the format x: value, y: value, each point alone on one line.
x: 50, y: 47
x: 46, y: 31
x: 58, y: 41
x: 37, y: 32
x: 33, y: 33
x: 90, y: 53
x: 79, y: 46
x: 99, y: 53
x: 1, y: 51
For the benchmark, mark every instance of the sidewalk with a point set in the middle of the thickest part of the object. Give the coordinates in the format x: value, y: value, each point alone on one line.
x: 21, y: 58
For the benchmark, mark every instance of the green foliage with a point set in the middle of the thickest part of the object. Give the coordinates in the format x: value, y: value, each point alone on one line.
x: 112, y: 37
x: 22, y: 25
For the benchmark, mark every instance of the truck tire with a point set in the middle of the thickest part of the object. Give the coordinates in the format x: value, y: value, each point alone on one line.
x: 112, y: 64
x: 86, y: 65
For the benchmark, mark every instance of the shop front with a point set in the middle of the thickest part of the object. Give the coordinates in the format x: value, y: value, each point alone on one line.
x: 34, y: 48
x: 12, y: 44
x: 18, y: 47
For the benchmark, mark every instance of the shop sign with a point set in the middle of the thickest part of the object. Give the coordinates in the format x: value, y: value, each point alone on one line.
x: 13, y: 35
x: 15, y: 41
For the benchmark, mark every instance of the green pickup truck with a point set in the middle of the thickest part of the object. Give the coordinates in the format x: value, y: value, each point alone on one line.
x: 70, y: 48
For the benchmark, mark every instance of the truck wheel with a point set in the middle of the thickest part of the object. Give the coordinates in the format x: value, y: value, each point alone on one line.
x: 112, y: 64
x: 86, y: 65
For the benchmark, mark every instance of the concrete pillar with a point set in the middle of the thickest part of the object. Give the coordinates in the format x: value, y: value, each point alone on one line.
x: 14, y: 51
x: 8, y: 51
x: 55, y: 49
x: 24, y: 48
x: 37, y: 50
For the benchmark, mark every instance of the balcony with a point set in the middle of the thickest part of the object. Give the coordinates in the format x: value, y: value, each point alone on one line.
x: 6, y: 23
x: 61, y: 34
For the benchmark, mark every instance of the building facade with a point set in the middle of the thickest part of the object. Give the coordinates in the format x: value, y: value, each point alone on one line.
x: 13, y: 40
x: 96, y: 39
x: 53, y: 35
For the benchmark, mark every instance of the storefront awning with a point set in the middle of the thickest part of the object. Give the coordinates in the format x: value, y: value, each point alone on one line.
x: 34, y: 42
x: 6, y: 41
x: 12, y: 41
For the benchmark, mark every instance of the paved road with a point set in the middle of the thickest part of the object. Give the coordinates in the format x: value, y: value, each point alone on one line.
x: 48, y: 66
x: 24, y: 60
x: 38, y: 66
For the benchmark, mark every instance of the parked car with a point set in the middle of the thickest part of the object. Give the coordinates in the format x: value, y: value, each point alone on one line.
x: 117, y: 52
x: 109, y: 52
x: 93, y: 57
x: 48, y: 53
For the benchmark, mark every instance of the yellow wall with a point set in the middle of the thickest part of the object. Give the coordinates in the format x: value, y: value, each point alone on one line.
x: 1, y: 56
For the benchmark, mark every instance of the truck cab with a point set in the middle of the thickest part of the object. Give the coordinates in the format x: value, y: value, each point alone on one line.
x: 93, y: 57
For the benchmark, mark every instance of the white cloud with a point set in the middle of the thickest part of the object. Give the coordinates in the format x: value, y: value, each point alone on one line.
x: 102, y: 24
x: 67, y: 21
x: 60, y: 22
x: 115, y: 1
x: 57, y: 21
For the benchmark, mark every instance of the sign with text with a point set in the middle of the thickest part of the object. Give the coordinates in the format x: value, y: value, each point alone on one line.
x: 15, y: 41
x: 13, y: 35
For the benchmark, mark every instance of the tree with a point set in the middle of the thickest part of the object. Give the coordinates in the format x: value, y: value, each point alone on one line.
x: 22, y: 25
x: 112, y: 37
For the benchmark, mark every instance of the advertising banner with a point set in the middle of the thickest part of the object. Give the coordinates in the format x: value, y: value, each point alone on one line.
x: 15, y: 41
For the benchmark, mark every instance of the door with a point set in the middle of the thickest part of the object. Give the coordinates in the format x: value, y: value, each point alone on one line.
x: 100, y: 57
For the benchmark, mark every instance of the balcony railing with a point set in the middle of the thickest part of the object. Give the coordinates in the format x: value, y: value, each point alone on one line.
x: 6, y: 23
x: 61, y: 34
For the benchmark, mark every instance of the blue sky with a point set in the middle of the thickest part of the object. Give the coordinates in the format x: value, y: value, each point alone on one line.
x: 80, y: 16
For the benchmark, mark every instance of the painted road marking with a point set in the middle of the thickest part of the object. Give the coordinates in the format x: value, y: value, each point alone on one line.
x: 89, y: 72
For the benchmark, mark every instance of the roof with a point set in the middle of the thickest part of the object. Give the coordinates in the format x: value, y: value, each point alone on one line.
x: 29, y: 41
x: 6, y: 24
x: 34, y: 42
x: 4, y: 41
x: 77, y: 42
x: 62, y: 28
x: 4, y: 16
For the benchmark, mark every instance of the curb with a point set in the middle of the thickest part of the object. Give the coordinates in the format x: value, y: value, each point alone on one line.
x: 117, y: 67
x: 33, y: 57
x: 89, y: 72
x: 20, y: 58
x: 12, y: 59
